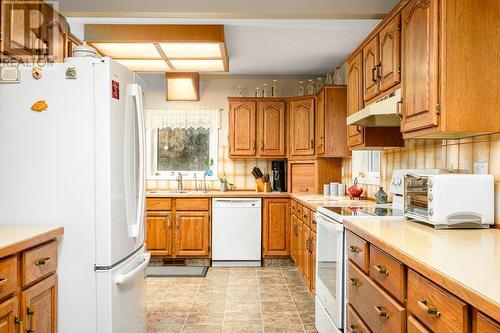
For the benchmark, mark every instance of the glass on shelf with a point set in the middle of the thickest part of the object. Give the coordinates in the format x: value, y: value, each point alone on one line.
x: 275, y: 89
x: 256, y: 92
x: 265, y: 90
x: 301, y: 88
x: 319, y: 84
x: 240, y: 91
x: 310, y: 86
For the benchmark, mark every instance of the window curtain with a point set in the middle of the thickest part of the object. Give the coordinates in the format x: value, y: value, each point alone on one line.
x: 182, y: 118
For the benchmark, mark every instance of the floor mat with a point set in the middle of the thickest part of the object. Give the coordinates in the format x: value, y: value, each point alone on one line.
x: 176, y: 271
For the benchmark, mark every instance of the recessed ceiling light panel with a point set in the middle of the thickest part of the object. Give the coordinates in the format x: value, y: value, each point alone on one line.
x: 128, y: 50
x: 198, y: 65
x: 139, y: 65
x: 191, y: 50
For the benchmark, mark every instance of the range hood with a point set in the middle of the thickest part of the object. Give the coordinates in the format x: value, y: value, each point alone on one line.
x: 384, y: 112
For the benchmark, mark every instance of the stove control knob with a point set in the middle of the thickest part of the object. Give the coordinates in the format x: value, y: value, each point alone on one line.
x: 431, y: 212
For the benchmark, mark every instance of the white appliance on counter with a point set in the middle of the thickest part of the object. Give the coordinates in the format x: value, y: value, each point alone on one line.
x: 236, y: 231
x: 384, y: 112
x: 80, y: 164
x: 450, y: 200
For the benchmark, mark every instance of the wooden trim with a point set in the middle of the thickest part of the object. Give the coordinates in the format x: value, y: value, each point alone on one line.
x: 461, y: 291
x: 195, y: 80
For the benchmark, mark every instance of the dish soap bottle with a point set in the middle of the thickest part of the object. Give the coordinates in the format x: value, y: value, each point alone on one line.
x: 381, y: 196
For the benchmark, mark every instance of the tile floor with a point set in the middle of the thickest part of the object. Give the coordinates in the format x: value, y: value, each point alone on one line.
x: 263, y: 299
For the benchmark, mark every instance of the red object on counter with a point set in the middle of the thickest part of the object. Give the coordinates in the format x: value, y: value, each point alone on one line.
x: 355, y: 190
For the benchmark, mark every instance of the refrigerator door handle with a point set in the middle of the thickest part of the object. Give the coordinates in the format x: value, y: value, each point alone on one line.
x: 124, y: 277
x: 135, y: 91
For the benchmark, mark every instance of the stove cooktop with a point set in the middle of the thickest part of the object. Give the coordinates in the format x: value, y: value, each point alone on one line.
x: 364, y: 212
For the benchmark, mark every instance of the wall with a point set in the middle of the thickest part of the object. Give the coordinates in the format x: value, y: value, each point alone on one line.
x: 455, y: 155
x: 214, y: 90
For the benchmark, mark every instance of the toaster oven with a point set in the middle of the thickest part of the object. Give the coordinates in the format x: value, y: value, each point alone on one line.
x: 450, y: 200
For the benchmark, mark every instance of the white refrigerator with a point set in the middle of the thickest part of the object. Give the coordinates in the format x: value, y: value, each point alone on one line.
x: 80, y: 164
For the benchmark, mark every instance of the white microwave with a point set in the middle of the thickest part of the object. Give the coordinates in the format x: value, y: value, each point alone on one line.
x: 450, y: 200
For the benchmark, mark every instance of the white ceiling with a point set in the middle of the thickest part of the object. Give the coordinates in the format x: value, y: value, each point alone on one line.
x: 280, y: 47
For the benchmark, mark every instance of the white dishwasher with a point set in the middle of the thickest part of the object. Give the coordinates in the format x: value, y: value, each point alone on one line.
x: 236, y: 231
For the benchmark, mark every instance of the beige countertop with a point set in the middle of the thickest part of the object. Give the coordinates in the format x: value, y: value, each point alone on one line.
x: 311, y: 201
x: 15, y: 239
x: 465, y: 262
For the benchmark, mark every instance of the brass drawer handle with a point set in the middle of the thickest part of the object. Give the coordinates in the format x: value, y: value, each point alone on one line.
x: 381, y: 270
x: 353, y: 329
x: 354, y: 282
x: 169, y: 222
x: 3, y: 282
x: 381, y: 312
x: 314, y: 222
x: 428, y: 309
x: 42, y: 261
x: 354, y: 249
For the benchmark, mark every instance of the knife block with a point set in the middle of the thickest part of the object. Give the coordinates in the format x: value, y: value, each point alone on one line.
x: 262, y: 185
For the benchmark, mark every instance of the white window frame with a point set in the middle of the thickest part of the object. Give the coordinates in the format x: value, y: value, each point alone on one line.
x: 362, y: 161
x: 152, y: 157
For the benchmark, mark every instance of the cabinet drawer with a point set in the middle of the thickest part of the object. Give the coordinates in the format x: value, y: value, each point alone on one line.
x: 388, y: 272
x: 354, y: 322
x: 377, y: 308
x: 192, y: 204
x: 299, y: 211
x: 306, y: 216
x: 314, y: 223
x: 39, y: 262
x: 414, y: 326
x: 483, y: 324
x: 8, y: 276
x: 357, y: 250
x: 436, y: 308
x: 294, y: 207
x: 158, y: 204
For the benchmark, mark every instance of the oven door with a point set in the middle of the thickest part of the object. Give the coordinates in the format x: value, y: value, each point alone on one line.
x: 330, y: 267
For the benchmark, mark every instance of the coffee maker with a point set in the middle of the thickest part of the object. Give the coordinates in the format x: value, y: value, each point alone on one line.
x: 279, y: 176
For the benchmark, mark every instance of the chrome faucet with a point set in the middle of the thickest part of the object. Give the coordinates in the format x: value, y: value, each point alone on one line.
x: 179, y: 182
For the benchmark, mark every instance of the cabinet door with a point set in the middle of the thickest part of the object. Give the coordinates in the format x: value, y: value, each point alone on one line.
x: 355, y: 134
x: 192, y: 233
x: 390, y: 54
x: 276, y: 222
x: 300, y: 246
x: 159, y: 232
x: 271, y: 128
x: 39, y: 306
x: 302, y: 177
x: 302, y: 127
x: 420, y: 64
x: 242, y: 128
x: 295, y: 239
x: 9, y: 322
x: 370, y: 67
x: 15, y: 24
x: 320, y: 123
x: 312, y: 259
x: 306, y: 255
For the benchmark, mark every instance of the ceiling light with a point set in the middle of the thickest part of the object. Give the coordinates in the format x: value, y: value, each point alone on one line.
x: 198, y: 65
x: 128, y: 50
x: 142, y: 65
x: 183, y: 87
x: 191, y: 50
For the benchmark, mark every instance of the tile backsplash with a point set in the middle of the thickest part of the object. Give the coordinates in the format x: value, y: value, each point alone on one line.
x: 454, y: 155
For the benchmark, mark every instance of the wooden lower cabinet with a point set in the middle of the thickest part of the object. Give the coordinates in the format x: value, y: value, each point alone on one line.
x: 294, y: 251
x: 414, y: 326
x: 159, y: 233
x: 276, y: 228
x: 40, y: 304
x: 483, y: 324
x: 9, y: 320
x: 305, y: 241
x: 182, y: 231
x: 192, y: 234
x: 354, y: 321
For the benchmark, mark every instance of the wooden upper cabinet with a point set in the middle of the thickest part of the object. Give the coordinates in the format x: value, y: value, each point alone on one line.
x: 390, y: 54
x: 355, y: 134
x: 271, y: 128
x: 192, y: 233
x: 242, y: 128
x: 370, y: 69
x: 320, y: 123
x: 159, y: 233
x: 420, y: 33
x: 302, y: 127
x: 39, y: 306
x: 276, y: 227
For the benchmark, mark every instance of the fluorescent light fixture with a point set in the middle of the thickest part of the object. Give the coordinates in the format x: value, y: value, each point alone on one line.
x: 198, y: 65
x: 128, y: 50
x: 140, y: 65
x: 183, y: 87
x: 191, y: 50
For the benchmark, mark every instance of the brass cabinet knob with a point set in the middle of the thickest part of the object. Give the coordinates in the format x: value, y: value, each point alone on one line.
x: 381, y: 270
x: 354, y: 249
x: 428, y: 309
x: 380, y: 311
